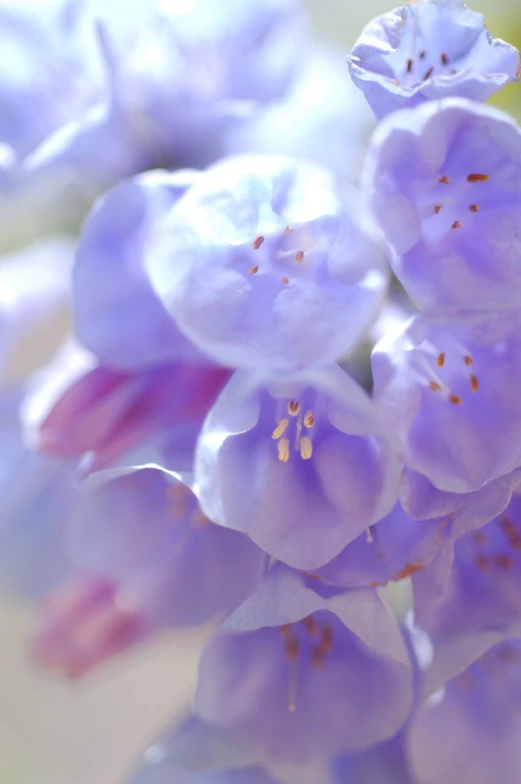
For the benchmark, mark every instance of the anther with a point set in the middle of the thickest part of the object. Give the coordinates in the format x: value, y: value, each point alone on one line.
x: 504, y: 561
x: 455, y: 399
x: 285, y: 281
x: 410, y: 64
x: 480, y: 538
x: 292, y: 649
x: 468, y: 360
x: 317, y: 657
x: 514, y: 538
x: 299, y: 258
x: 434, y: 386
x: 444, y: 179
x: 280, y: 429
x: 474, y: 207
x: 254, y: 270
x: 257, y: 243
x: 428, y: 73
x: 306, y: 448
x: 326, y: 642
x: 477, y: 177
x: 283, y: 450
x: 482, y: 563
x: 285, y: 630
x: 456, y: 225
x: 441, y: 360
x: 437, y: 208
x: 309, y: 419
x: 474, y: 383
x: 287, y: 231
x: 422, y: 55
x: 293, y: 407
x: 444, y: 59
x: 310, y: 625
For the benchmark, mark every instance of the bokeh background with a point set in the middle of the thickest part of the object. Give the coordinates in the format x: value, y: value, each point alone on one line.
x: 91, y: 733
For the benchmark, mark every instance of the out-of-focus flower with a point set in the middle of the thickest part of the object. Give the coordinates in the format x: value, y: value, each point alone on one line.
x: 301, y: 463
x: 145, y: 558
x: 429, y: 50
x: 444, y: 183
x: 469, y: 732
x: 295, y: 675
x: 450, y: 389
x: 260, y: 248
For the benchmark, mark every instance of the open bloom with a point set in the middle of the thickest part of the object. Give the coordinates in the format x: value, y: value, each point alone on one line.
x: 299, y: 676
x: 428, y: 50
x: 450, y: 389
x: 259, y: 249
x: 444, y: 183
x: 145, y: 557
x: 301, y: 463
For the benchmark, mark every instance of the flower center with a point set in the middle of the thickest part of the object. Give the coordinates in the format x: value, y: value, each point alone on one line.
x: 307, y: 638
x: 295, y: 431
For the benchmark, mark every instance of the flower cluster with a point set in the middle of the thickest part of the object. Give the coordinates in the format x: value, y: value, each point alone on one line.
x: 198, y: 449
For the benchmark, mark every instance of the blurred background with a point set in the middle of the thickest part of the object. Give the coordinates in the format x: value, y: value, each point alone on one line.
x: 57, y: 733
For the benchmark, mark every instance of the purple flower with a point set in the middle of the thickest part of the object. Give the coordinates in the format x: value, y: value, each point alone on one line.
x: 450, y: 389
x: 470, y: 731
x: 145, y: 557
x: 385, y: 763
x: 301, y: 463
x: 444, y: 180
x: 300, y: 677
x: 468, y: 597
x: 194, y: 752
x: 428, y: 50
x: 257, y: 252
x: 117, y: 314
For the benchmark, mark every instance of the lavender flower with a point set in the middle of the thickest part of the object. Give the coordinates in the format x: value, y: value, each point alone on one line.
x: 429, y: 50
x: 469, y: 732
x: 385, y: 763
x: 145, y: 557
x: 259, y: 249
x: 444, y: 180
x: 450, y: 389
x: 295, y: 675
x: 300, y: 462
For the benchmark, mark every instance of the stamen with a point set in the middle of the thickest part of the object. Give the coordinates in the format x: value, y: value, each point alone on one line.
x: 280, y: 429
x: 434, y: 386
x: 480, y: 538
x: 468, y: 360
x: 283, y: 450
x: 514, y: 538
x: 326, y: 642
x: 310, y: 625
x: 504, y: 561
x: 428, y: 73
x: 254, y: 270
x: 410, y: 64
x: 441, y: 360
x: 482, y: 563
x: 292, y: 651
x: 437, y: 208
x: 444, y: 59
x: 317, y: 657
x: 474, y: 207
x: 285, y: 281
x: 293, y: 407
x: 369, y: 535
x: 306, y: 448
x: 477, y: 177
x: 474, y: 383
x: 285, y: 630
x: 257, y: 243
x: 455, y: 399
x: 456, y: 225
x: 287, y: 231
x: 309, y: 419
x: 299, y: 258
x: 422, y: 55
x: 444, y: 179
x: 408, y: 570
